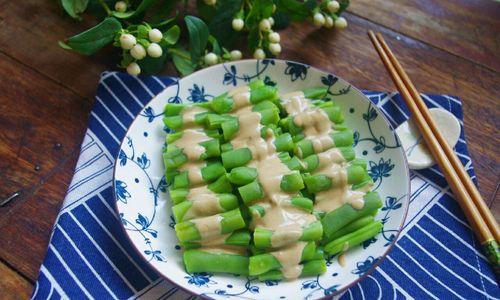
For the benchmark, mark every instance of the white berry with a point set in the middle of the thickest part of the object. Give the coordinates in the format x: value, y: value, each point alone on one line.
x: 133, y: 69
x: 210, y: 2
x: 274, y: 37
x: 340, y: 23
x: 333, y: 6
x: 121, y: 6
x: 238, y: 24
x: 211, y: 59
x: 138, y: 52
x: 155, y: 35
x: 127, y: 41
x: 319, y: 19
x: 259, y: 54
x: 328, y: 22
x: 264, y: 25
x: 154, y: 50
x: 236, y: 55
x: 271, y: 21
x: 275, y: 48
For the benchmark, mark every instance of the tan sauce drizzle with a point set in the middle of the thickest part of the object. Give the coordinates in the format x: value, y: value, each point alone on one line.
x: 241, y: 96
x: 286, y: 221
x: 208, y: 227
x: 330, y: 156
x: 190, y: 141
x: 341, y: 260
x: 188, y: 115
x: 314, y: 122
x: 203, y: 205
x: 194, y: 172
x: 295, y: 102
x: 289, y: 259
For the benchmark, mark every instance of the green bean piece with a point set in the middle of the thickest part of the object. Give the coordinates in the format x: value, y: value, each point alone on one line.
x: 353, y: 226
x: 292, y: 182
x: 174, y: 109
x: 321, y: 182
x: 212, y: 171
x: 242, y: 175
x: 239, y: 237
x: 283, y: 143
x: 262, y: 236
x: 221, y: 185
x: 353, y: 239
x: 251, y: 192
x: 229, y: 222
x: 226, y: 202
x: 230, y: 128
x: 197, y: 261
x: 310, y: 268
x: 262, y: 263
x: 264, y: 92
x: 315, y: 93
x: 304, y: 148
x: 222, y: 104
x: 303, y: 203
x: 336, y: 219
x: 236, y: 158
x: 311, y: 162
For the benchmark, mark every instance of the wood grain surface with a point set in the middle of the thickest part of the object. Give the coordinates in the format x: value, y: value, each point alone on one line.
x: 447, y: 47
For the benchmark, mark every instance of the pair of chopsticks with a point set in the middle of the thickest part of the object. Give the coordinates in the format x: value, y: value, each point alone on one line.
x: 479, y: 216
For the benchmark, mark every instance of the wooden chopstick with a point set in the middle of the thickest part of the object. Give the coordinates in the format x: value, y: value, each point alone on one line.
x: 450, y: 154
x: 480, y: 218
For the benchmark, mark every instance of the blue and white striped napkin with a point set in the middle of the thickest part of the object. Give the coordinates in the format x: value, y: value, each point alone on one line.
x: 90, y: 257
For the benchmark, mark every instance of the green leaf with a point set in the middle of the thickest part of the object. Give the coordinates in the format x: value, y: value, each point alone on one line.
x: 296, y: 10
x: 142, y: 7
x: 95, y: 8
x: 261, y: 9
x: 172, y: 35
x: 165, y: 22
x: 150, y: 65
x: 198, y: 37
x: 206, y: 12
x: 64, y: 45
x: 253, y: 39
x: 93, y: 39
x: 281, y: 20
x: 221, y: 24
x: 343, y: 6
x: 74, y: 7
x: 159, y: 11
x: 215, y: 45
x: 182, y: 61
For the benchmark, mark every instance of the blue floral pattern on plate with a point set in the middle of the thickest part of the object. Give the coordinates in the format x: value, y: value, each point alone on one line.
x: 144, y: 205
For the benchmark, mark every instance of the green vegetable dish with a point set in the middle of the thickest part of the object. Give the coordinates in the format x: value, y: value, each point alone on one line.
x: 266, y: 185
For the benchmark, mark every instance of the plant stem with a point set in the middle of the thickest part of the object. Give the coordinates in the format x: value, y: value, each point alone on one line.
x: 105, y: 6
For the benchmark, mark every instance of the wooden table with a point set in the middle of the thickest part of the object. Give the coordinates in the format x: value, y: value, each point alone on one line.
x: 46, y: 95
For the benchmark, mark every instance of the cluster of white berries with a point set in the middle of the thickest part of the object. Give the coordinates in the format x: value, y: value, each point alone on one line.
x: 138, y: 51
x: 210, y: 2
x: 211, y: 58
x: 273, y: 39
x: 324, y: 19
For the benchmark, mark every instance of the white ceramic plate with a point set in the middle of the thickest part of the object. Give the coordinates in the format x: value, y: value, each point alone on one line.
x: 144, y: 205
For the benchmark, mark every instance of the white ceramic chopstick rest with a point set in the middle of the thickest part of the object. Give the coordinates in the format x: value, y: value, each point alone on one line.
x: 416, y: 151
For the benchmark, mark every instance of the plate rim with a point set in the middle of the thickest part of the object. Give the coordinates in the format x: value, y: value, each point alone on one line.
x: 284, y: 61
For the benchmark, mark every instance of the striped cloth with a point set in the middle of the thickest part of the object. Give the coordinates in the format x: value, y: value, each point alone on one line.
x: 89, y: 256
